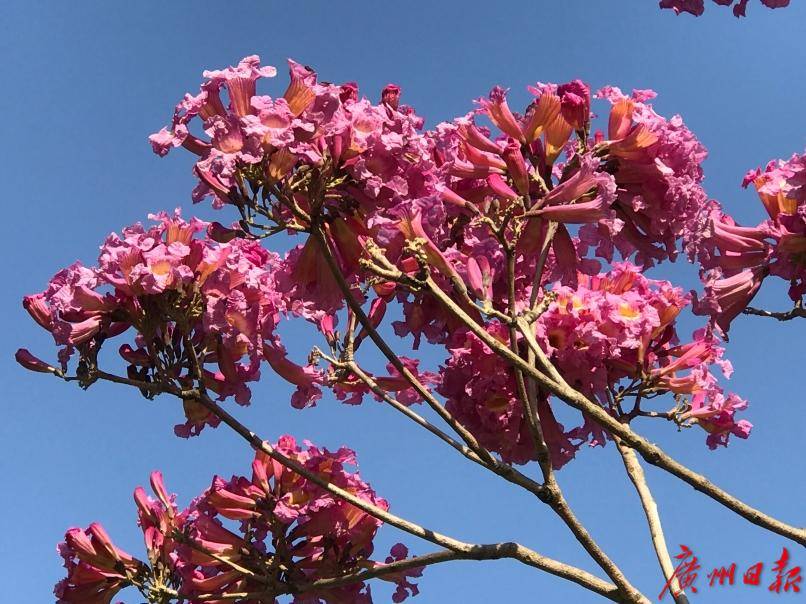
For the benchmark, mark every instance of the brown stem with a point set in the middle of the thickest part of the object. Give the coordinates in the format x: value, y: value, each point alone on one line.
x: 636, y: 474
x: 650, y: 452
x: 551, y: 231
x: 797, y: 312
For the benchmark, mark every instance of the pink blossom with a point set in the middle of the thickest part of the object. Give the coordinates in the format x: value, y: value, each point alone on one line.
x: 197, y: 551
x: 725, y: 298
x: 658, y: 174
x: 96, y: 569
x: 697, y: 7
x: 575, y: 103
x: 175, y: 286
x: 500, y: 114
x: 714, y: 412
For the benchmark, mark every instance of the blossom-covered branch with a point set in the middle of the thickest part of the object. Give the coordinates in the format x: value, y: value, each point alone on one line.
x: 515, y: 243
x: 272, y: 533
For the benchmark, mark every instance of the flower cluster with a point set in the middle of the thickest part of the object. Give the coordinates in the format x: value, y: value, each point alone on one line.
x: 480, y: 393
x: 194, y: 303
x: 317, y: 149
x: 658, y: 171
x: 508, y: 211
x: 536, y: 225
x: 697, y: 7
x: 270, y: 534
x: 611, y: 336
x: 620, y: 327
x: 736, y: 259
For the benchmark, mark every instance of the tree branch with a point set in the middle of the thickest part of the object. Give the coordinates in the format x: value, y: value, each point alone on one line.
x: 556, y: 500
x: 636, y: 474
x: 504, y: 470
x: 496, y: 551
x: 797, y: 312
x: 463, y: 550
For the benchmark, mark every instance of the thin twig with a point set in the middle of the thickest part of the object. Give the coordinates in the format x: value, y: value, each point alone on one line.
x: 797, y: 312
x: 504, y: 470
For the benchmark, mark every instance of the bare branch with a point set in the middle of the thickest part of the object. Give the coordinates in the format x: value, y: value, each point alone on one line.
x: 797, y: 312
x: 636, y: 474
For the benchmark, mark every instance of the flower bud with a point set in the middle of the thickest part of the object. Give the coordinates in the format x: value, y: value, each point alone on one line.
x: 38, y: 309
x: 32, y: 363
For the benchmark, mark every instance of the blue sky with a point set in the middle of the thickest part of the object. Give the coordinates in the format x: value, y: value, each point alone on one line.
x: 87, y: 82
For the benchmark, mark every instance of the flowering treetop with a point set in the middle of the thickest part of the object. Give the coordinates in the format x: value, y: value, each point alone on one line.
x: 515, y: 241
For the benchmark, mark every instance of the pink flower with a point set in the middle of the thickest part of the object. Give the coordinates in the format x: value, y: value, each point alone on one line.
x: 500, y: 114
x: 173, y: 284
x: 658, y: 174
x: 697, y: 7
x: 96, y: 569
x: 390, y: 95
x: 714, y: 412
x: 32, y: 363
x: 725, y: 298
x: 307, y: 379
x: 585, y: 197
x: 240, y: 82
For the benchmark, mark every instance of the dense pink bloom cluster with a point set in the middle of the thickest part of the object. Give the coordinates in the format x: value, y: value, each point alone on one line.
x: 272, y: 533
x: 480, y: 392
x: 620, y: 326
x: 370, y: 161
x: 183, y: 293
x: 539, y: 199
x: 697, y: 7
x: 432, y: 197
x: 310, y: 125
x: 541, y: 219
x: 736, y: 259
x: 658, y: 173
x: 608, y: 330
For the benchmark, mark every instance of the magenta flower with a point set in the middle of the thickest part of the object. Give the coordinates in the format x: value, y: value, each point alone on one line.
x: 725, y: 298
x: 175, y: 288
x: 96, y: 569
x: 279, y: 514
x: 575, y: 103
x: 500, y: 114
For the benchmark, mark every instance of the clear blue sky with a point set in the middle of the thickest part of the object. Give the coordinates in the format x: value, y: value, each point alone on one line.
x: 86, y: 82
